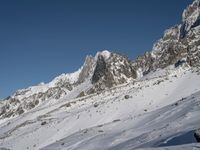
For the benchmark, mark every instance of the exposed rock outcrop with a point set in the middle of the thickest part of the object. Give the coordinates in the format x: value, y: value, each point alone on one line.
x: 181, y: 42
x: 197, y: 135
x: 87, y: 69
x: 111, y: 70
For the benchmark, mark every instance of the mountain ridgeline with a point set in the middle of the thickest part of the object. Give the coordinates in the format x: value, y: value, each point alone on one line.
x: 179, y: 45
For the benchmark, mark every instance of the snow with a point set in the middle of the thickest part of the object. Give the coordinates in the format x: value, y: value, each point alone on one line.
x: 105, y: 53
x: 157, y: 111
x: 42, y: 87
x: 193, y: 146
x: 70, y: 77
x: 162, y: 108
x: 157, y: 48
x: 139, y: 73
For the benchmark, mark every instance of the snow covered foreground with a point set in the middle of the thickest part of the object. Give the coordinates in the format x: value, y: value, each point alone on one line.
x: 159, y: 111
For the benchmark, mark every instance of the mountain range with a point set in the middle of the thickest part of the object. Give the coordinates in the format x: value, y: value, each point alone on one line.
x: 112, y: 102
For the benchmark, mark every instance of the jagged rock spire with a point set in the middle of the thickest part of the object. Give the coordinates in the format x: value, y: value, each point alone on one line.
x: 191, y: 15
x: 181, y: 42
x: 112, y: 69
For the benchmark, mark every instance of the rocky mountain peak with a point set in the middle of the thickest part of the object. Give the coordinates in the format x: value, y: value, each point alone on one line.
x: 112, y: 69
x: 105, y: 70
x: 181, y: 42
x: 87, y: 69
x: 191, y: 15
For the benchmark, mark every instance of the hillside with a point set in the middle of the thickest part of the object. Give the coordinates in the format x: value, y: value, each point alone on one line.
x: 114, y: 103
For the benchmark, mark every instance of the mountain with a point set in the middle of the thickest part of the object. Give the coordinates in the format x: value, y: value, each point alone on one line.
x: 105, y: 70
x: 178, y: 44
x: 113, y: 102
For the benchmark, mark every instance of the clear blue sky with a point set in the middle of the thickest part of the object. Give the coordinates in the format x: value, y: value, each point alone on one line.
x: 40, y: 39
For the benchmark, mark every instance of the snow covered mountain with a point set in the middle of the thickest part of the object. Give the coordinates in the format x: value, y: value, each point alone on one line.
x: 112, y: 102
x: 179, y: 44
x: 105, y: 70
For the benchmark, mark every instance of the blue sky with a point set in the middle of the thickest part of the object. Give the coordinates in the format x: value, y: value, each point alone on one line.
x: 40, y: 39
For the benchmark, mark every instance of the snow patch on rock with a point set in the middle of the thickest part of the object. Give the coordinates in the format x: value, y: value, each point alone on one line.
x: 105, y: 53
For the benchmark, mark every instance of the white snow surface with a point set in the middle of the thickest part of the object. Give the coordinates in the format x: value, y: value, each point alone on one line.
x: 162, y: 112
x: 43, y: 87
x: 105, y: 53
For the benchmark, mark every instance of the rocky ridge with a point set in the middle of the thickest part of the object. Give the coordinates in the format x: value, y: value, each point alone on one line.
x: 180, y: 43
x: 105, y: 70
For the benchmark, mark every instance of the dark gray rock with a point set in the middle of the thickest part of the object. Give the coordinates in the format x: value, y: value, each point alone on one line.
x: 112, y: 71
x: 43, y: 123
x: 96, y: 105
x: 126, y: 96
x: 81, y: 94
x: 100, y: 70
x: 179, y: 63
x: 197, y: 135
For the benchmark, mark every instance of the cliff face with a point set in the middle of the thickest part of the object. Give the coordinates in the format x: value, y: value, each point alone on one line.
x: 179, y: 43
x: 112, y: 70
x: 191, y: 16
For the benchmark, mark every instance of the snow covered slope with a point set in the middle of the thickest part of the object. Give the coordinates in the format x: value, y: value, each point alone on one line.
x: 113, y: 103
x: 150, y: 112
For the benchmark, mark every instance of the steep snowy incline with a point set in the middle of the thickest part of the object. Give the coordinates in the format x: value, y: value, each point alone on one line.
x: 110, y: 118
x: 146, y: 125
x: 172, y: 125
